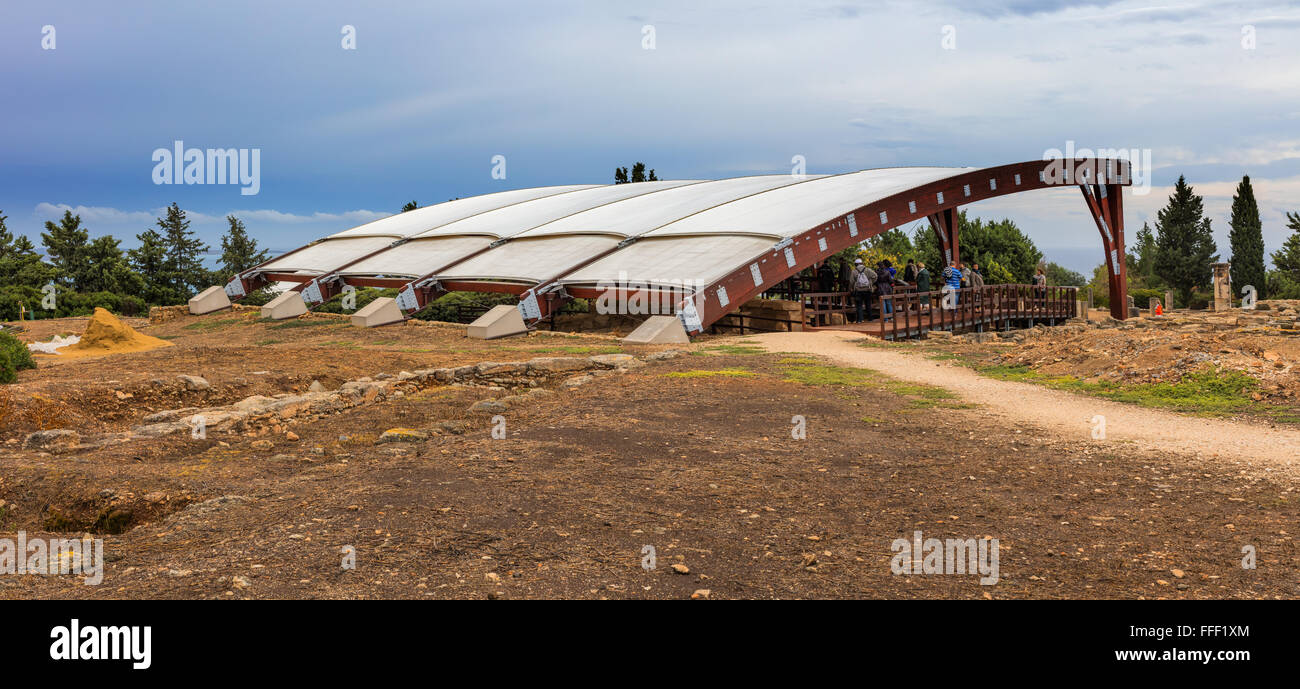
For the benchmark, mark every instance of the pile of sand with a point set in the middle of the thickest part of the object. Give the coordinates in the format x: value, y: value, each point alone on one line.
x: 105, y: 334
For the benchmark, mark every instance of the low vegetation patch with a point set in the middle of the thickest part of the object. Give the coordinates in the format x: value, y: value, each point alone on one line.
x: 1211, y: 391
x: 737, y: 349
x: 304, y: 323
x: 918, y: 396
x: 731, y: 372
x: 205, y: 326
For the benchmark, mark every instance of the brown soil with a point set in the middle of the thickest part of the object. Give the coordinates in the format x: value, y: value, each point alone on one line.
x: 107, y: 334
x: 701, y: 467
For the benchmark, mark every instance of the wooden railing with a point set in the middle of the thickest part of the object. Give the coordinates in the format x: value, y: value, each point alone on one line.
x: 914, y: 314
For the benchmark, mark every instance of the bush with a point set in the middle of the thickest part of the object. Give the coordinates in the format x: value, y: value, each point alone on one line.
x: 16, y: 353
x: 77, y: 304
x: 68, y: 303
x: 14, y: 296
x: 7, y: 373
x: 464, y: 306
x: 365, y: 295
x: 1142, y: 297
x: 258, y: 297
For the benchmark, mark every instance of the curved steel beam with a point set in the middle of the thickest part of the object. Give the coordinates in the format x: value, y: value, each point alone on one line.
x: 792, y: 255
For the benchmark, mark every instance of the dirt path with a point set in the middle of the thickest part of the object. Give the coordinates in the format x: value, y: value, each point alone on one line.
x: 1063, y: 413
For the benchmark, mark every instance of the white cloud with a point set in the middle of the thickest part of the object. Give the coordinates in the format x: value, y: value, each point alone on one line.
x: 273, y: 229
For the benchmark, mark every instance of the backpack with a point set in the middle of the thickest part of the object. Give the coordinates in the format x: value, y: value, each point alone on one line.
x: 861, y: 281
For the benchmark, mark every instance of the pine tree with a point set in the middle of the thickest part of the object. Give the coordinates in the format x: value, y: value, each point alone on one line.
x: 638, y: 174
x: 239, y: 252
x: 184, y: 265
x: 1184, y: 243
x: 6, y: 237
x: 23, y: 266
x: 150, y: 262
x: 108, y: 270
x: 1145, y: 264
x: 65, y: 247
x: 1247, y: 240
x: 410, y: 206
x: 1287, y: 259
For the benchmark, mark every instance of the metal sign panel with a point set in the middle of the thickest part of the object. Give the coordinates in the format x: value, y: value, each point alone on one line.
x: 235, y: 288
x: 690, y: 317
x: 311, y: 293
x: 528, y: 307
x: 756, y: 274
x: 406, y: 300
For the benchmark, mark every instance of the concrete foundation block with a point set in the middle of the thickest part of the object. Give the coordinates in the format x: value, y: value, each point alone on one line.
x: 501, y: 320
x: 659, y: 330
x: 287, y: 305
x: 211, y: 299
x: 381, y: 311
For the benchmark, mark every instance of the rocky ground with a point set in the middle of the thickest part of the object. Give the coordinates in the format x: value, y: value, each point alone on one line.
x: 439, y: 492
x: 1263, y: 345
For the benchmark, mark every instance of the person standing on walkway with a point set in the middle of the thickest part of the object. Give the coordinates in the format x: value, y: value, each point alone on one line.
x: 861, y: 282
x: 826, y: 277
x: 1040, y: 283
x: 885, y: 288
x: 923, y: 285
x: 952, y: 279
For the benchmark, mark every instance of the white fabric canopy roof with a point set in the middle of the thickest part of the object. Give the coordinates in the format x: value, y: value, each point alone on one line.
x: 532, y: 260
x: 426, y: 218
x: 789, y: 210
x: 419, y: 256
x: 688, y: 230
x: 512, y: 220
x: 673, y: 260
x: 327, y: 254
x: 645, y: 213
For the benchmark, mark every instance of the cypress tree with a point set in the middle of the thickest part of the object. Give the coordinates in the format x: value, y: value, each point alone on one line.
x: 1247, y: 240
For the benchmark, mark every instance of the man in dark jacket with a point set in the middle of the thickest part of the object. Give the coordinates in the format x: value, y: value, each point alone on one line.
x: 826, y: 277
x: 885, y: 288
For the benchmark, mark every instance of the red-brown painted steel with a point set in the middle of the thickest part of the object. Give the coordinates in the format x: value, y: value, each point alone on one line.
x: 786, y: 259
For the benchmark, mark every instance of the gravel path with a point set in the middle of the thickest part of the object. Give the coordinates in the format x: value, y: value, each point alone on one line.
x: 1062, y: 413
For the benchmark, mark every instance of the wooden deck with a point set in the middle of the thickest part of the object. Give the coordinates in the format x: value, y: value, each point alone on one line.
x: 913, y: 314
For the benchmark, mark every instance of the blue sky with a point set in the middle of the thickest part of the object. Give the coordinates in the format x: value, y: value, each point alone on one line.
x: 566, y: 91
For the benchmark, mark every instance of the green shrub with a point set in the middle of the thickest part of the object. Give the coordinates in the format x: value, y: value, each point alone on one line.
x: 464, y: 306
x: 17, y: 354
x: 7, y: 373
x: 1142, y: 297
x: 365, y: 295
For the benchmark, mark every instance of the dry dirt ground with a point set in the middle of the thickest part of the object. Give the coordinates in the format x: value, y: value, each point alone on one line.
x: 693, y: 456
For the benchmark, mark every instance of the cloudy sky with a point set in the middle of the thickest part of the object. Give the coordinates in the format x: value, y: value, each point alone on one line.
x: 568, y: 90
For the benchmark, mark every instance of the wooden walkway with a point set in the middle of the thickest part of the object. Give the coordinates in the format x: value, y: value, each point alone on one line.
x: 911, y: 314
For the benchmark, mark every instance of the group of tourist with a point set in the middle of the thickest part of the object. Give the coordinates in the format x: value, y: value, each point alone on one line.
x: 868, y: 284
